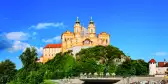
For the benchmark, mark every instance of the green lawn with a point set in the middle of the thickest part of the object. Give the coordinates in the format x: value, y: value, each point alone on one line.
x: 48, y: 82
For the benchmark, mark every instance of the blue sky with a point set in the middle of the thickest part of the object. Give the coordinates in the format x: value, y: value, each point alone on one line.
x: 138, y: 27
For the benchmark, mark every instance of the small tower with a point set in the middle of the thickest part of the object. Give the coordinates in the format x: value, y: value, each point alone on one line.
x: 91, y: 28
x: 77, y: 27
x: 152, y: 67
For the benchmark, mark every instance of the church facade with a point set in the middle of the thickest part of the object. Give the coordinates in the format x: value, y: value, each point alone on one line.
x: 81, y: 38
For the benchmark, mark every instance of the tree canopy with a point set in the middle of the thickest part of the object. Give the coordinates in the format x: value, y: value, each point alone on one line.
x: 29, y: 57
x: 7, y: 71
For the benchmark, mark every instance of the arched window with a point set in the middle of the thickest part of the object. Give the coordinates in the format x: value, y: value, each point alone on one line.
x: 91, y: 31
x: 76, y: 29
x: 106, y: 41
x: 87, y: 42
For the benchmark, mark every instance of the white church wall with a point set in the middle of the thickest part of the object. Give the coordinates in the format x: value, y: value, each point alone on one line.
x: 76, y: 49
x: 161, y: 70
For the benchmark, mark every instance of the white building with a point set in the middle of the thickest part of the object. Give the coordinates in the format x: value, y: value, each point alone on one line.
x: 49, y: 52
x: 76, y: 49
x: 157, y: 69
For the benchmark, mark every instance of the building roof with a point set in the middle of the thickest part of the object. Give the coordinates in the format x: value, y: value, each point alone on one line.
x: 152, y: 61
x: 53, y: 46
x: 166, y: 65
x: 160, y: 64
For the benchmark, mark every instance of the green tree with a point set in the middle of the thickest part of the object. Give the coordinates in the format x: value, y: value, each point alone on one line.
x: 126, y: 69
x: 141, y: 67
x: 60, y: 66
x: 35, y: 77
x: 133, y: 67
x: 101, y: 55
x: 7, y: 71
x: 28, y: 58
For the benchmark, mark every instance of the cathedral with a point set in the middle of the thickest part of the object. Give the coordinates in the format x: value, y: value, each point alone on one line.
x: 81, y: 38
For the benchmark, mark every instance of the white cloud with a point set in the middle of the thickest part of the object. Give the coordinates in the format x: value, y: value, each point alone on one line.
x: 18, y: 45
x: 47, y: 25
x: 55, y: 39
x: 17, y: 36
x: 39, y: 50
x: 160, y: 53
x: 18, y: 41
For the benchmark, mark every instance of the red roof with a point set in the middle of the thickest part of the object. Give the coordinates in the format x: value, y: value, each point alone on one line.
x: 160, y: 64
x: 152, y: 61
x: 53, y: 46
x: 166, y: 65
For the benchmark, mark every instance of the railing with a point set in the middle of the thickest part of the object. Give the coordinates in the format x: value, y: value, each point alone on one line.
x: 104, y: 76
x: 85, y: 76
x: 95, y: 75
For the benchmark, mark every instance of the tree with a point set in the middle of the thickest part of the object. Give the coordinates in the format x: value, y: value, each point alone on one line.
x: 142, y: 67
x: 60, y: 66
x: 98, y: 59
x: 35, y: 77
x: 133, y: 67
x: 7, y: 71
x: 126, y: 69
x: 28, y: 58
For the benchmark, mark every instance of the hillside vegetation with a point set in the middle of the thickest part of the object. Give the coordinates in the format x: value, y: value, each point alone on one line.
x: 99, y: 59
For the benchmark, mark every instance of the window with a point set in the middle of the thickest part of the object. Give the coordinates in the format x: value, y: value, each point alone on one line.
x: 76, y: 29
x: 77, y: 40
x: 86, y: 42
x: 106, y: 41
x: 91, y: 30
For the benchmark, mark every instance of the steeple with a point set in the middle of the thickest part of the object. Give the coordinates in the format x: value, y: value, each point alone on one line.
x: 91, y: 21
x: 77, y: 20
x: 91, y: 28
x: 77, y: 26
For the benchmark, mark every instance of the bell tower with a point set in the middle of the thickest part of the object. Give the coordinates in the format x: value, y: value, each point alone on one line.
x: 77, y: 26
x: 91, y: 28
x: 77, y: 33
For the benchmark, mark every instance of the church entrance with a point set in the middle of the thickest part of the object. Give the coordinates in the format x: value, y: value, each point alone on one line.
x: 87, y: 42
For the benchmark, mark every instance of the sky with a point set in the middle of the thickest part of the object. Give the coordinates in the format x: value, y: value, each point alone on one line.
x: 137, y: 27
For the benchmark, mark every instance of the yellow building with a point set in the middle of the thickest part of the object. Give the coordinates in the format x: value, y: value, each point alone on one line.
x: 80, y: 38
